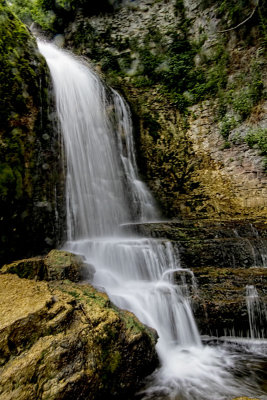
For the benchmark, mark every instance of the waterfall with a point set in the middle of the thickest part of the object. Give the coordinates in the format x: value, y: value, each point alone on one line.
x: 256, y: 313
x: 103, y: 191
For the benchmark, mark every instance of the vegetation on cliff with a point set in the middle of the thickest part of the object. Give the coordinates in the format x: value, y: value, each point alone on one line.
x: 182, y: 59
x: 28, y: 143
x: 181, y: 70
x: 53, y: 15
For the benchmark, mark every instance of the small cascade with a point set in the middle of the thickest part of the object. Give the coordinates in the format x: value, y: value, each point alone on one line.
x: 142, y: 202
x: 262, y: 246
x: 140, y: 274
x: 256, y: 313
x: 255, y: 247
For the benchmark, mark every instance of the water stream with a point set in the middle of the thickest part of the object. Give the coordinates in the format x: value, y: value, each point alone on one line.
x: 256, y: 313
x: 103, y: 191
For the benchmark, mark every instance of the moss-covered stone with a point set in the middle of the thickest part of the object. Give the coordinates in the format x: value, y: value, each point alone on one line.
x: 68, y: 341
x: 30, y: 188
x: 62, y: 265
x: 29, y: 268
x: 57, y: 265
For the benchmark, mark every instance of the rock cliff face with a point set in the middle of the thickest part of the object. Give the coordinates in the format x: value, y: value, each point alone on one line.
x: 66, y: 340
x: 31, y: 174
x: 198, y: 96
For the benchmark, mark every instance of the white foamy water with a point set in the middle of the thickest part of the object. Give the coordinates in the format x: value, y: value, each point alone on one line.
x: 103, y: 190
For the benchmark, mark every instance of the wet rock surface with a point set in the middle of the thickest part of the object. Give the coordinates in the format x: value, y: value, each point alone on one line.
x: 31, y: 169
x: 57, y: 265
x: 236, y: 243
x: 225, y: 257
x: 220, y: 305
x: 66, y: 341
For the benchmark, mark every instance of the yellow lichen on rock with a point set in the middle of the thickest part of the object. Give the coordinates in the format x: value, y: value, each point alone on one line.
x: 245, y: 398
x: 21, y: 297
x: 61, y: 340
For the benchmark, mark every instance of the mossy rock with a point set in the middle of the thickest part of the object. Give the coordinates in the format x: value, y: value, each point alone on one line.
x: 62, y: 265
x: 29, y: 268
x: 30, y: 168
x: 61, y: 341
x: 245, y: 398
x: 57, y: 265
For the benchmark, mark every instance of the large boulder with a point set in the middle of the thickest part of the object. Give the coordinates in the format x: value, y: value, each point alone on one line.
x: 57, y: 265
x: 60, y: 341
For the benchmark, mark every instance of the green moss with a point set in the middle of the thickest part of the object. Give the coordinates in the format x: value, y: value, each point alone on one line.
x: 114, y: 361
x: 7, y: 180
x: 31, y: 268
x: 18, y: 82
x: 151, y: 124
x: 24, y: 119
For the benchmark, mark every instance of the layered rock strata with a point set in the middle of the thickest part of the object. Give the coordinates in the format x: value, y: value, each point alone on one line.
x: 63, y: 340
x: 225, y: 257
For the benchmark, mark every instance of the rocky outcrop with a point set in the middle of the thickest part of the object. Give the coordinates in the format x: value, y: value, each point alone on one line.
x: 211, y: 243
x: 57, y: 265
x: 66, y: 341
x: 225, y: 257
x: 220, y: 302
x: 31, y: 172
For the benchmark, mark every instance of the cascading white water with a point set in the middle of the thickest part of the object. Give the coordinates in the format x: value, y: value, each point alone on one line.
x: 142, y: 202
x: 256, y: 313
x: 104, y: 191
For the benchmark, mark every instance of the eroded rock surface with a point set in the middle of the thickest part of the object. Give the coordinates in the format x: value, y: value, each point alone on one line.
x: 57, y: 265
x: 60, y: 340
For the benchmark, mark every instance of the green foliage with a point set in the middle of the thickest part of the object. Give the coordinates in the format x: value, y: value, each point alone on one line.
x: 258, y: 139
x: 7, y: 180
x: 32, y: 11
x: 53, y: 15
x: 262, y: 18
x: 227, y: 124
x: 142, y: 81
x: 226, y: 145
x: 109, y: 62
x: 149, y: 62
x: 16, y: 68
x: 233, y: 11
x: 171, y: 64
x: 242, y: 103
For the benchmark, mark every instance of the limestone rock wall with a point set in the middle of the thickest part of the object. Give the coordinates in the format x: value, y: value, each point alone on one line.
x: 198, y: 98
